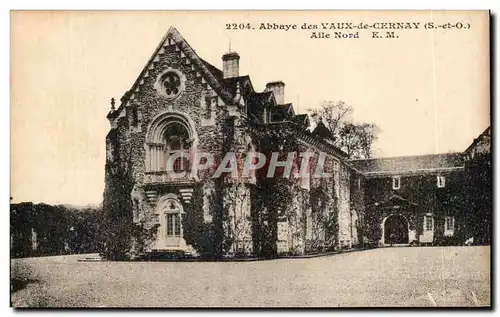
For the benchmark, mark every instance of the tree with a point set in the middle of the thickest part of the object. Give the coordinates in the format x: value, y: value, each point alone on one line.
x: 356, y: 139
x: 367, y: 134
x: 59, y: 229
x: 349, y: 140
x: 334, y: 114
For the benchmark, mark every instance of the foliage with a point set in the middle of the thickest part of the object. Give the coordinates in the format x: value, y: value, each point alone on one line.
x: 272, y: 196
x: 356, y: 139
x: 123, y: 239
x: 142, y: 236
x: 239, y: 225
x: 209, y: 239
x: 117, y: 207
x: 324, y: 214
x: 196, y: 232
x: 334, y: 114
x: 59, y: 229
x: 479, y: 198
x: 267, y: 199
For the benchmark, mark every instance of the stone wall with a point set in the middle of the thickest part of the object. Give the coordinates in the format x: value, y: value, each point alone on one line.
x: 358, y: 208
x: 424, y: 197
x: 346, y: 233
x: 237, y: 200
x: 128, y: 138
x: 313, y: 215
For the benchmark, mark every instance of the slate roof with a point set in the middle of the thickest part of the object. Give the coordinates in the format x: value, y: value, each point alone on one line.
x: 211, y: 73
x: 486, y: 133
x: 225, y: 87
x: 214, y: 70
x: 409, y: 164
x: 301, y: 119
x: 246, y: 87
x: 322, y: 131
x: 261, y: 97
x: 282, y: 112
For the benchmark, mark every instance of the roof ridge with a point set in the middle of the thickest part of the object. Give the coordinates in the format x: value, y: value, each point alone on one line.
x: 406, y: 156
x: 179, y: 40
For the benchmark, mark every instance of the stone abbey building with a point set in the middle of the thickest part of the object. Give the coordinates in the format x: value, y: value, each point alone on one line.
x: 181, y: 103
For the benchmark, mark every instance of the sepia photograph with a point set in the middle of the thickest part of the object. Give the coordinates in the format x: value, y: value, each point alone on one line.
x: 234, y: 159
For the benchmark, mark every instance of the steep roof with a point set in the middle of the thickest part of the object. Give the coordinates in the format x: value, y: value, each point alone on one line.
x: 262, y: 97
x: 486, y: 133
x: 226, y: 88
x: 409, y: 164
x: 211, y: 73
x: 322, y: 131
x: 282, y: 112
x: 214, y: 70
x: 246, y: 87
x: 302, y: 119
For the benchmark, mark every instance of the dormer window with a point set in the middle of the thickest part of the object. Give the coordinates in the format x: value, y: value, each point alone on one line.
x: 396, y: 182
x: 441, y: 181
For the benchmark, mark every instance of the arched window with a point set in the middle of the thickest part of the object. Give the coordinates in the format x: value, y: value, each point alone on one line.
x: 173, y: 220
x: 170, y: 144
x: 176, y: 140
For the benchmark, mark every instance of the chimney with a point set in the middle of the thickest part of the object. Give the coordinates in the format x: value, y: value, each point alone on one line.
x: 231, y: 64
x: 278, y: 89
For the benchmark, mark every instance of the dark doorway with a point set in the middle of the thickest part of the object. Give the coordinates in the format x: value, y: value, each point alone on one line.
x: 395, y: 230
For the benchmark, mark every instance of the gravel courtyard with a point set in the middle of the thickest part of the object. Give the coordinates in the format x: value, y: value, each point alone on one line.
x: 445, y: 276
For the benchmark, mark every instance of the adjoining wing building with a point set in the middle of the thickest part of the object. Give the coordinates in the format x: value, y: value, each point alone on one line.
x: 181, y: 103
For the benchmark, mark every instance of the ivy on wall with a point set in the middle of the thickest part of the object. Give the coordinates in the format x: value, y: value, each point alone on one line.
x: 209, y: 239
x: 324, y: 216
x: 123, y: 239
x: 270, y: 200
x: 197, y: 233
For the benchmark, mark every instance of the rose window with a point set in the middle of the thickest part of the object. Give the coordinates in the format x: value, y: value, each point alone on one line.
x: 170, y: 84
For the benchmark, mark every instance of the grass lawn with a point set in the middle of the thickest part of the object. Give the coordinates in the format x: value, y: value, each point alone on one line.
x: 446, y: 276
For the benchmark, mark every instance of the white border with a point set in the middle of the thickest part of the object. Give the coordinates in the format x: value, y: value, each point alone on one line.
x: 189, y: 4
x: 251, y: 5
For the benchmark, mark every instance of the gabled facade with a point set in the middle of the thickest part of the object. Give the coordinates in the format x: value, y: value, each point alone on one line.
x: 180, y: 103
x: 180, y: 107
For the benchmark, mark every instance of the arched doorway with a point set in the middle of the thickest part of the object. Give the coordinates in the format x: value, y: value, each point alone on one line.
x: 170, y: 231
x: 395, y: 230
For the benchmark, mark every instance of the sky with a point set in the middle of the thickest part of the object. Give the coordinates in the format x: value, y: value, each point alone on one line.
x: 427, y: 90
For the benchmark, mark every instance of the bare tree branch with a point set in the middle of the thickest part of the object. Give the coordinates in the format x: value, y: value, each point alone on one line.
x: 355, y: 139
